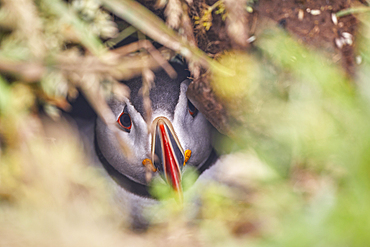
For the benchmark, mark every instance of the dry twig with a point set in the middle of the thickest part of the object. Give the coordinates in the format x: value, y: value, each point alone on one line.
x: 236, y: 22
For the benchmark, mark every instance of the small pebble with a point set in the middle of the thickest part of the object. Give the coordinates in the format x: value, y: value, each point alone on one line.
x: 347, y: 38
x: 339, y: 43
x: 251, y: 39
x: 358, y: 59
x: 315, y: 12
x: 349, y: 41
x: 308, y: 10
x: 334, y: 19
x: 300, y: 14
x: 347, y: 35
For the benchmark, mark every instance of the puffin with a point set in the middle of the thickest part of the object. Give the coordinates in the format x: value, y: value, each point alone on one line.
x: 175, y: 138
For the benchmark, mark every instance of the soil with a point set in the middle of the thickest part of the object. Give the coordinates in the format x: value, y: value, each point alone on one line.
x: 317, y: 31
x: 310, y: 21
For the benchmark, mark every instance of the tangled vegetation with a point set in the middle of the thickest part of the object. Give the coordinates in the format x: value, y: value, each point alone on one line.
x: 296, y: 164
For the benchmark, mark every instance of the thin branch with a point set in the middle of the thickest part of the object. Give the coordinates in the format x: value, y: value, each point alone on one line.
x: 121, y: 36
x: 93, y: 94
x: 26, y: 71
x: 154, y: 27
x: 147, y: 45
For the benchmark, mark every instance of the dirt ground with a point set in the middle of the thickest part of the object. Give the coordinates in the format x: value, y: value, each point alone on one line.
x: 310, y: 21
x: 317, y: 31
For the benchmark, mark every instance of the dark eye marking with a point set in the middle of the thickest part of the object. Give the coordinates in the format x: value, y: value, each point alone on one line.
x: 192, y: 109
x: 124, y: 120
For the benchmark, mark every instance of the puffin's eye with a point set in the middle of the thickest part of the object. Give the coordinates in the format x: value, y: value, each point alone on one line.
x: 124, y: 120
x: 192, y: 110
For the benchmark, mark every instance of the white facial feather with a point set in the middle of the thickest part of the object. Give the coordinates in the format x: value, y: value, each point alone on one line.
x: 194, y: 133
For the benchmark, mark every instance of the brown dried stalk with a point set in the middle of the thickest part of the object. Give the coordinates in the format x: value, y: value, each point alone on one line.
x: 148, y: 82
x: 90, y: 87
x: 28, y: 24
x: 190, y: 2
x: 116, y: 64
x: 147, y: 45
x: 173, y: 13
x: 236, y: 22
x: 201, y: 94
x: 160, y: 4
x: 112, y: 63
x: 25, y: 71
x: 187, y: 25
x: 152, y: 26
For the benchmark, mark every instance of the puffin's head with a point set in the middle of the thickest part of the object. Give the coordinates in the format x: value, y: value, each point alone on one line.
x: 178, y: 134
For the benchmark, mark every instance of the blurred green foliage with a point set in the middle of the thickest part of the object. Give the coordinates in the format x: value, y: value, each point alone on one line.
x: 309, y: 122
x: 300, y: 175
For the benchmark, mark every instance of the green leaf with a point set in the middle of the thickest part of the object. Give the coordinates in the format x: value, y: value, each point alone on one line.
x: 5, y: 94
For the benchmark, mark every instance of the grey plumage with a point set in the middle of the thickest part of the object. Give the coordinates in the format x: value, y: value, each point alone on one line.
x: 168, y: 100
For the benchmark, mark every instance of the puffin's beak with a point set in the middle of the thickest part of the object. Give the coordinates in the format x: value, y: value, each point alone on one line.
x: 167, y: 153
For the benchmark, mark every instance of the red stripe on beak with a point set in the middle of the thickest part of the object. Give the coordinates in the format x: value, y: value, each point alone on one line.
x: 171, y: 166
